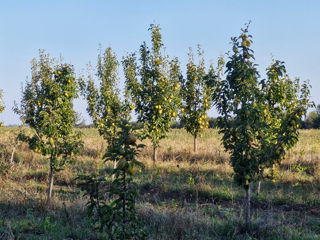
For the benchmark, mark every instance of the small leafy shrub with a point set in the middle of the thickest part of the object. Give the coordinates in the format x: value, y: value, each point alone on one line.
x: 111, y: 204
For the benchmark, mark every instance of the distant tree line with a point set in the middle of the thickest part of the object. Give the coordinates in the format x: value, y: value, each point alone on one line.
x: 175, y: 125
x: 312, y: 120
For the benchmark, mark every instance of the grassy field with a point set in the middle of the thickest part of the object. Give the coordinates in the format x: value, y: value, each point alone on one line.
x: 186, y: 196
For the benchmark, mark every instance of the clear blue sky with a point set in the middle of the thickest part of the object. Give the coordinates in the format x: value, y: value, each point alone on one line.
x: 286, y: 29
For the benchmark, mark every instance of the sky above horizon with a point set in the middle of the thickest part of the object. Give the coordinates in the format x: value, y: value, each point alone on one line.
x: 286, y: 30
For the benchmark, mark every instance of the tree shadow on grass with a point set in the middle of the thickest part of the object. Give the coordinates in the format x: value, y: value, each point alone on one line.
x: 173, y: 185
x: 190, y: 157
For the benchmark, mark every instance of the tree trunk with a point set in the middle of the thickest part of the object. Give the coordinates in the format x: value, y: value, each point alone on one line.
x: 248, y: 206
x: 12, y: 156
x: 258, y: 187
x: 195, y: 143
x: 51, y: 175
x: 155, y: 148
x: 115, y: 163
x: 124, y: 206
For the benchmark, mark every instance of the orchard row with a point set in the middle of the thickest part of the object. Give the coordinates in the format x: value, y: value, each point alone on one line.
x: 258, y: 122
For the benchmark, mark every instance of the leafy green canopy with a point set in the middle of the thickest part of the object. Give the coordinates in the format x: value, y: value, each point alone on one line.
x: 104, y: 104
x: 196, y: 94
x: 47, y: 108
x: 154, y: 87
x: 259, y: 118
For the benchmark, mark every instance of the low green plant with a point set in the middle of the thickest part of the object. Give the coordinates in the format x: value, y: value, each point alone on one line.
x: 112, y: 203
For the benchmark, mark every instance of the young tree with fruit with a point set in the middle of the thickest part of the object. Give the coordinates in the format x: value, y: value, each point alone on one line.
x: 196, y: 96
x: 112, y: 201
x: 154, y: 88
x: 259, y: 118
x: 47, y: 108
x: 104, y: 104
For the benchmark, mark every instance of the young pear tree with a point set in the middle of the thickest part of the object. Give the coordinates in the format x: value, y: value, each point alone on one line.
x: 259, y: 118
x: 47, y: 108
x: 196, y: 96
x: 112, y: 203
x: 154, y: 88
x: 104, y: 104
x: 1, y: 105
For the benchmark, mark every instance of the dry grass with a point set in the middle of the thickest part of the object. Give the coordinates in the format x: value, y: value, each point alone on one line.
x: 185, y: 196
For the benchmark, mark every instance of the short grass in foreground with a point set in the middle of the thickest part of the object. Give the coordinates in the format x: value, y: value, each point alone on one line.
x: 186, y: 196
